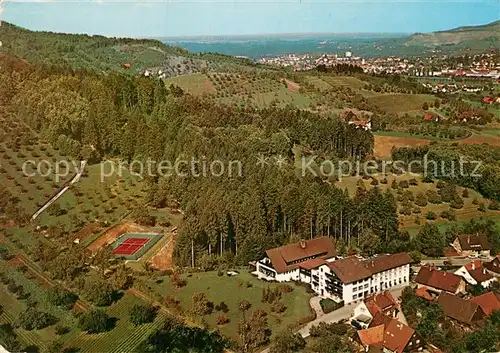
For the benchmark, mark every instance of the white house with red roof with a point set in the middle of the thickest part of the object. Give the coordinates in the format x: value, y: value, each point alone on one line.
x: 475, y: 273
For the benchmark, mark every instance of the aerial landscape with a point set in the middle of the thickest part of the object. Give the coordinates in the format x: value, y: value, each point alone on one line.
x: 213, y: 177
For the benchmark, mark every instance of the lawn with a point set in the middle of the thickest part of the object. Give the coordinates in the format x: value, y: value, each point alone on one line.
x: 346, y: 81
x: 231, y: 290
x: 400, y: 103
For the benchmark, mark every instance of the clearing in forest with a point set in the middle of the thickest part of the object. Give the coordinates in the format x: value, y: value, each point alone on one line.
x: 384, y: 144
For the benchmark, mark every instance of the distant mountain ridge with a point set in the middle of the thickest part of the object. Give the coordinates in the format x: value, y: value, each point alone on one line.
x: 488, y: 34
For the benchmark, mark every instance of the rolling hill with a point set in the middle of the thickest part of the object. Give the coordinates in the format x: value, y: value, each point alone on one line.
x: 105, y: 54
x: 486, y: 35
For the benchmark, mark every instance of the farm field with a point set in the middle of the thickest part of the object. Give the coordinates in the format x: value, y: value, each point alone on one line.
x: 490, y: 137
x: 196, y: 84
x: 231, y: 290
x: 400, y: 103
x: 346, y: 81
x: 124, y: 337
x: 468, y: 211
x: 93, y: 200
x: 384, y: 143
x: 26, y: 171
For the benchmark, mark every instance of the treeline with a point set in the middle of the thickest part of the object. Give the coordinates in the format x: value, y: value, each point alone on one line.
x: 480, y: 165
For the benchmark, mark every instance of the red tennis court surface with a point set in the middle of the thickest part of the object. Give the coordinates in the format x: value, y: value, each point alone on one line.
x: 130, y: 246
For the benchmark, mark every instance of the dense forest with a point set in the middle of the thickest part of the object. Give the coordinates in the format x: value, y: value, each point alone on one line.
x: 95, y: 117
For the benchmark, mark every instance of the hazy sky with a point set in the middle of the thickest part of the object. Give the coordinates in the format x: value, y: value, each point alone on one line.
x: 204, y: 17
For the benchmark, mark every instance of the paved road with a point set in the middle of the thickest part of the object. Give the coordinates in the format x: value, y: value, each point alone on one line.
x: 335, y: 316
x: 60, y: 193
x: 454, y: 261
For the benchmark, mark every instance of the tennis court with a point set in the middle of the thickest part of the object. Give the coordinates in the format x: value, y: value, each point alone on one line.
x: 132, y: 246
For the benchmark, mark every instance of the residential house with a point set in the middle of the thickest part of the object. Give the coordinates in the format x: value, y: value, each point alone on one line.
x: 438, y: 281
x: 472, y: 245
x: 474, y: 273
x: 360, y: 124
x: 294, y: 262
x: 488, y: 302
x: 431, y: 117
x: 354, y: 278
x: 376, y: 303
x: 459, y: 309
x: 493, y: 266
x: 391, y: 337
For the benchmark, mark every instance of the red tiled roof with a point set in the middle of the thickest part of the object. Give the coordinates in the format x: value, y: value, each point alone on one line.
x: 349, y: 269
x: 494, y: 265
x: 480, y: 275
x: 473, y: 265
x: 289, y: 257
x: 381, y: 302
x: 386, y: 262
x: 390, y: 334
x: 423, y: 293
x: 373, y: 336
x: 313, y: 263
x: 380, y: 319
x: 457, y: 308
x: 428, y: 116
x: 474, y: 242
x: 397, y: 335
x: 442, y: 280
x: 488, y: 302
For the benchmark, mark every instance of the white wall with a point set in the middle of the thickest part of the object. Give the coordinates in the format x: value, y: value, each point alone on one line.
x: 462, y: 272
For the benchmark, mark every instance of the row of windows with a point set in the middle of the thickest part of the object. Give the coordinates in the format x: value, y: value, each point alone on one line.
x: 354, y: 289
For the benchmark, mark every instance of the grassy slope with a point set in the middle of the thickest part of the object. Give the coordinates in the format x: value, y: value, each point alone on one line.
x: 400, y: 103
x: 471, y: 34
x: 233, y: 289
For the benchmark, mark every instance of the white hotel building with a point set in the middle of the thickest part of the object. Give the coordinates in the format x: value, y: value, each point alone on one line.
x: 340, y: 279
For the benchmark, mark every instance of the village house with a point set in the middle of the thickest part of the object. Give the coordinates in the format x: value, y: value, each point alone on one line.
x: 488, y: 302
x: 431, y: 117
x: 294, y: 262
x: 375, y: 303
x: 474, y: 273
x: 390, y: 336
x: 472, y: 245
x: 436, y: 281
x: 459, y: 309
x: 493, y: 266
x: 340, y: 279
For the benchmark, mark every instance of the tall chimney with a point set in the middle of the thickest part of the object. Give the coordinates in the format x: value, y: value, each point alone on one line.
x: 303, y: 244
x: 468, y: 239
x: 473, y: 265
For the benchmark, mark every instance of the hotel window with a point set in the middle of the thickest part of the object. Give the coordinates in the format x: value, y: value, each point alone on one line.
x: 366, y: 285
x: 355, y: 296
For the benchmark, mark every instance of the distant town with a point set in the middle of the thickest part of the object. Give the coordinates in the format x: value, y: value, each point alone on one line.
x: 474, y: 66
